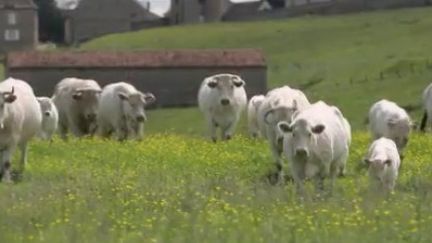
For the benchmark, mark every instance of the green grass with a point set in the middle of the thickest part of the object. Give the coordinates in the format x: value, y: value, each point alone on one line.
x: 174, y: 188
x: 348, y: 60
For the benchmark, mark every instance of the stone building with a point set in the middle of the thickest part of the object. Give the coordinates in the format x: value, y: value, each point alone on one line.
x: 94, y: 18
x: 18, y: 25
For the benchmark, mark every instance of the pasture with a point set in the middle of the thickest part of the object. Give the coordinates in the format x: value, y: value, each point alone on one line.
x: 176, y: 186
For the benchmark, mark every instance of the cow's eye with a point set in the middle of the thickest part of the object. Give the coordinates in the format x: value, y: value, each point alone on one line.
x: 310, y: 134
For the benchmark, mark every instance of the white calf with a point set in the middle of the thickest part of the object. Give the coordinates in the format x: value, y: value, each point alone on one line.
x: 49, y: 118
x: 383, y: 162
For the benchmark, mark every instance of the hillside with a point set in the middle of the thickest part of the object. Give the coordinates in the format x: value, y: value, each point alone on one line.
x: 348, y: 60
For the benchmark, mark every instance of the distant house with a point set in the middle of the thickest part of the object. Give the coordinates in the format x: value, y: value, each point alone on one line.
x: 18, y: 25
x: 241, y: 10
x: 195, y: 11
x: 174, y: 76
x: 94, y: 18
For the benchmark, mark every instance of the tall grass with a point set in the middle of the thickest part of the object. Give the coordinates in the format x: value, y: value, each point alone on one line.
x: 173, y: 188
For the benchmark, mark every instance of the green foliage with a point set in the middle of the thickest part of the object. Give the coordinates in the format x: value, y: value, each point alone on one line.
x: 348, y: 60
x: 173, y: 188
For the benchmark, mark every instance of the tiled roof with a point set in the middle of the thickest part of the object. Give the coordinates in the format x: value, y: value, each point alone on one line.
x: 139, y: 59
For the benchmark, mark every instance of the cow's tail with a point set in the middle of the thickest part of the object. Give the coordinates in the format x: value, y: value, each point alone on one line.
x: 423, y: 122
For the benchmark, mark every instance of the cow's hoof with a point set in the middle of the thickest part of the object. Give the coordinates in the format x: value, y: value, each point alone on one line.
x: 274, y: 178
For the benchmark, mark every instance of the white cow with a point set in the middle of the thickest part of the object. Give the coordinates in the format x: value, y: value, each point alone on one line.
x: 279, y: 105
x: 387, y: 119
x: 77, y: 102
x: 20, y: 120
x: 222, y: 99
x: 427, y: 104
x: 383, y: 161
x: 316, y: 143
x: 252, y: 111
x: 49, y: 118
x: 121, y: 110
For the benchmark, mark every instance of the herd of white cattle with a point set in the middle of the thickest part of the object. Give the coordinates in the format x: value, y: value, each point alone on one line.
x: 315, y: 138
x: 78, y: 106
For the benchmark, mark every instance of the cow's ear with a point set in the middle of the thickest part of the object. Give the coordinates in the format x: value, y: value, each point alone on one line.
x: 284, y: 127
x: 256, y: 102
x: 149, y: 98
x: 238, y: 82
x: 77, y: 95
x: 391, y: 122
x: 268, y: 116
x: 212, y: 84
x: 10, y: 98
x: 388, y: 162
x: 366, y: 161
x: 318, y: 129
x: 123, y: 96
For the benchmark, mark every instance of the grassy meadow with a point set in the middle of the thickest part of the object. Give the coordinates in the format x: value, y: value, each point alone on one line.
x: 176, y: 186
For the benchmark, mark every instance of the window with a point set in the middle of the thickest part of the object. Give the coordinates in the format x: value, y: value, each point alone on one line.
x: 12, y: 35
x: 11, y: 18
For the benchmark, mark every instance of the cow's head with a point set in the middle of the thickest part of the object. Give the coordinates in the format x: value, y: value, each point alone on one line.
x: 6, y: 98
x: 134, y: 104
x: 46, y: 105
x: 223, y: 86
x: 302, y: 136
x: 377, y: 165
x: 88, y: 98
x: 280, y: 113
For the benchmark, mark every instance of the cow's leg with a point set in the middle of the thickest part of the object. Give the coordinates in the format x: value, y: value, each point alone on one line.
x: 121, y: 132
x: 230, y: 128
x: 139, y: 131
x: 23, y: 160
x: 62, y: 128
x: 276, y: 147
x: 103, y: 130
x: 228, y: 131
x: 324, y: 172
x: 298, y: 174
x: 212, y: 126
x: 73, y: 124
x: 6, y: 164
